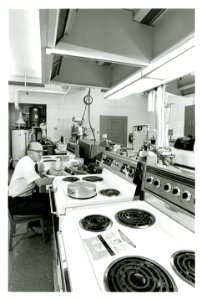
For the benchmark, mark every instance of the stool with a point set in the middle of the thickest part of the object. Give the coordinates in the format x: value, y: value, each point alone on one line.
x: 20, y: 219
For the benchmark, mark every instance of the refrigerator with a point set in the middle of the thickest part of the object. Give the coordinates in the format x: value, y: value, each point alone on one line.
x: 20, y: 140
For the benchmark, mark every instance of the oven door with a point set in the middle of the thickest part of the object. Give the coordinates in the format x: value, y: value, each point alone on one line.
x: 62, y: 268
x: 60, y: 271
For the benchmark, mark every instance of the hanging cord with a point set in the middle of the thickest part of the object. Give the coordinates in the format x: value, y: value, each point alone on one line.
x: 88, y: 100
x: 84, y: 113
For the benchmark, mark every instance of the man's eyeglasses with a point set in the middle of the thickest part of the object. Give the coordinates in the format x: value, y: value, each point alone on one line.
x: 39, y: 151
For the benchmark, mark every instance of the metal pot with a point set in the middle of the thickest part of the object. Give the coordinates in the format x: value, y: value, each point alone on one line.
x: 81, y: 190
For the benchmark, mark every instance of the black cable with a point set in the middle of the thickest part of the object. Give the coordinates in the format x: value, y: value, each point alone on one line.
x: 88, y: 100
x: 93, y: 148
x: 84, y: 113
x: 90, y: 123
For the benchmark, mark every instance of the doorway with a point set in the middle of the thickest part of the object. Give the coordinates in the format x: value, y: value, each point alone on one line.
x: 114, y: 128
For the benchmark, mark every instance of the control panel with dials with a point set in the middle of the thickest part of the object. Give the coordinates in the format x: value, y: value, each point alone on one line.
x: 174, y: 187
x: 120, y: 165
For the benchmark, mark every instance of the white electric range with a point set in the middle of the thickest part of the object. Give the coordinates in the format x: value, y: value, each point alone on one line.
x: 133, y: 245
x: 114, y: 184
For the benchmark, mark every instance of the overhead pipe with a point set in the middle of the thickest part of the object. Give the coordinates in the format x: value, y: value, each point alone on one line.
x: 32, y: 90
x: 43, y: 90
x: 16, y: 94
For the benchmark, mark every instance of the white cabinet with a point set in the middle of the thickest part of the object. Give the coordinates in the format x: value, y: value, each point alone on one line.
x: 20, y: 139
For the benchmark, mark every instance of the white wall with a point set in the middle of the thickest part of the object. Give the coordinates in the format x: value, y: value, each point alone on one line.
x: 61, y: 109
x: 177, y: 113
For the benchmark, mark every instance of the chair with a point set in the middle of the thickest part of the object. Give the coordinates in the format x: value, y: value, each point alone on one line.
x: 20, y: 219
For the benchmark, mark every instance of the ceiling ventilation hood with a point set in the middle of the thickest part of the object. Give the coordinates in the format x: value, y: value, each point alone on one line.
x: 148, y: 16
x: 175, y: 64
x: 187, y: 90
x: 94, y: 47
x: 109, y: 48
x: 182, y: 86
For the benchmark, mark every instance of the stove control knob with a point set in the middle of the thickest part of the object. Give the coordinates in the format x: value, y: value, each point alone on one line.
x: 167, y: 187
x: 157, y: 183
x: 150, y: 180
x: 131, y: 172
x: 186, y: 195
x: 108, y: 161
x: 176, y: 191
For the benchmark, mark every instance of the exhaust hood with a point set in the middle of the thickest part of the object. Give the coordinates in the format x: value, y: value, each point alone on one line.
x: 182, y: 86
x: 94, y: 47
x: 175, y: 64
x: 110, y: 49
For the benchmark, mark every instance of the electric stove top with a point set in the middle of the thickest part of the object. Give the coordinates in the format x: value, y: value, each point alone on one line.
x: 118, y: 256
x: 110, y: 188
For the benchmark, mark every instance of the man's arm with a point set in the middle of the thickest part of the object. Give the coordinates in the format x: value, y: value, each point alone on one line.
x: 44, y: 181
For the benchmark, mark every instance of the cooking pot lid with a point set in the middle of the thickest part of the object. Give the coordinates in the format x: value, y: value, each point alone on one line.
x: 81, y: 190
x: 82, y: 185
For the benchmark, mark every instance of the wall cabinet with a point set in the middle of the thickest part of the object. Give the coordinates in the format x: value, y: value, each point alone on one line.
x: 189, y: 121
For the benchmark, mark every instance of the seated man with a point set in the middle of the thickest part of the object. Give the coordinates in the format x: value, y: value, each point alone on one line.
x: 22, y: 199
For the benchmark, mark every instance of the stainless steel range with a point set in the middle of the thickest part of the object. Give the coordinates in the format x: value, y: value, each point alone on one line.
x: 136, y: 245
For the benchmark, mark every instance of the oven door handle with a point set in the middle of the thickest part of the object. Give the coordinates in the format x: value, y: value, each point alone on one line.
x: 63, y: 264
x: 50, y: 190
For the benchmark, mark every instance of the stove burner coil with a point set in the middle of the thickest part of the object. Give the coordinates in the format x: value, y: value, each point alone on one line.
x: 95, y: 223
x: 138, y: 274
x: 70, y: 179
x: 92, y: 178
x: 135, y: 218
x: 109, y: 192
x: 183, y: 263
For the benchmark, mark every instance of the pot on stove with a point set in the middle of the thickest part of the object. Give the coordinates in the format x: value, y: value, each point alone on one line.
x: 81, y: 190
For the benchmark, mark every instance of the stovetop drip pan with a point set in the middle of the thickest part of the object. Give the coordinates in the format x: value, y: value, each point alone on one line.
x: 95, y: 223
x: 183, y: 263
x: 138, y: 274
x: 92, y: 178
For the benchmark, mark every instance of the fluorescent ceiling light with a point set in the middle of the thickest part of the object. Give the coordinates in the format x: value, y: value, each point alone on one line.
x: 135, y: 87
x: 176, y: 67
x: 125, y: 83
x: 158, y: 62
x: 175, y: 64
